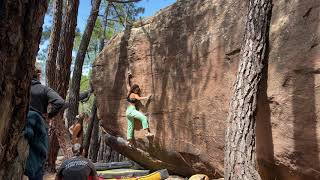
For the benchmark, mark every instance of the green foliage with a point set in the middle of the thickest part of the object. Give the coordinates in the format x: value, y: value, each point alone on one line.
x: 118, y: 15
x: 126, y: 12
x: 45, y: 34
x: 84, y: 86
x: 77, y: 40
x: 86, y: 107
x: 93, y: 48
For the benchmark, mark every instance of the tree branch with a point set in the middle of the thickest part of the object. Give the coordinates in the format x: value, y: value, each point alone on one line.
x: 114, y: 20
x: 115, y: 9
x: 127, y: 1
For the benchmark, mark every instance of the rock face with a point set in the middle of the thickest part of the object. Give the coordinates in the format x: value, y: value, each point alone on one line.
x: 187, y: 57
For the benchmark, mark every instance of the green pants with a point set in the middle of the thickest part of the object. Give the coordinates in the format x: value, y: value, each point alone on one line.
x: 132, y: 114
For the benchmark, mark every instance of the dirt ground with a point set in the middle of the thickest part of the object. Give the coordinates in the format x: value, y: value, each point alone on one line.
x: 50, y: 176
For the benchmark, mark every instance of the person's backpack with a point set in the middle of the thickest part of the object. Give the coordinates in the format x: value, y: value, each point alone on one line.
x: 36, y: 132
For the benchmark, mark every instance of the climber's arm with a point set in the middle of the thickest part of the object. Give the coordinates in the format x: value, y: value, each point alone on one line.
x: 71, y: 129
x: 76, y: 130
x: 129, y: 76
x: 136, y: 96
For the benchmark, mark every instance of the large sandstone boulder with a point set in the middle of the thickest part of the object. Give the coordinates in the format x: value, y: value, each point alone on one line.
x: 187, y: 57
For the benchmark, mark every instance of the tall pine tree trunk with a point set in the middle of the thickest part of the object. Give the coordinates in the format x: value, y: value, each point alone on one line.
x: 54, y: 43
x: 240, y: 155
x: 62, y: 77
x: 94, y: 145
x: 64, y: 60
x: 77, y: 72
x: 105, y: 25
x: 93, y: 118
x: 53, y: 151
x: 20, y: 32
x: 105, y: 152
x: 51, y: 80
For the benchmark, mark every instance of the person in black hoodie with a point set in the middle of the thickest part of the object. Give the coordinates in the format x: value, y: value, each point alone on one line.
x: 36, y: 130
x: 42, y: 96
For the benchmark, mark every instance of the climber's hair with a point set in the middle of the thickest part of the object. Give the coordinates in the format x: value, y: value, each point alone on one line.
x: 36, y: 71
x: 134, y: 87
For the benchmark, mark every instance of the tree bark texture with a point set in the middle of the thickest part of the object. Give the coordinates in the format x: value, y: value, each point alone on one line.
x: 54, y: 43
x: 77, y: 72
x: 53, y: 152
x: 51, y: 79
x: 20, y: 32
x: 114, y: 156
x: 62, y: 75
x: 240, y: 155
x: 93, y: 118
x: 104, y: 24
x: 64, y: 58
x: 104, y: 151
x: 94, y: 145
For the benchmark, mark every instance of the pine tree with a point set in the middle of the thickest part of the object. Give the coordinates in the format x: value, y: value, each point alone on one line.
x: 240, y: 158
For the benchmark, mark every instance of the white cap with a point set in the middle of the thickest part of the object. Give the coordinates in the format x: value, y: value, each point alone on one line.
x: 76, y: 148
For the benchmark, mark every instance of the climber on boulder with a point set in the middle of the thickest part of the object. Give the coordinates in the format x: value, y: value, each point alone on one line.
x: 133, y: 97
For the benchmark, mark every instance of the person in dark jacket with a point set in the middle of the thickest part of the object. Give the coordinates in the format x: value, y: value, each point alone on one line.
x: 36, y: 130
x: 42, y: 96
